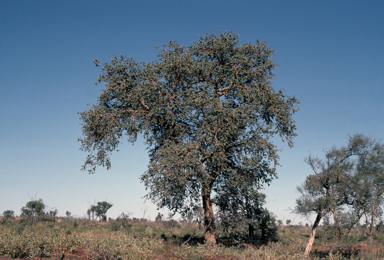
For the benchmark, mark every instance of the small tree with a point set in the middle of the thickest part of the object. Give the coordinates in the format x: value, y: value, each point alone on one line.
x: 363, y: 184
x: 121, y: 222
x: 101, y: 210
x: 92, y: 211
x: 8, y: 214
x: 242, y: 214
x: 371, y: 183
x: 33, y: 210
x: 89, y: 214
x: 331, y: 185
x: 159, y: 217
x: 145, y: 210
x: 207, y: 112
x: 68, y: 214
x: 380, y: 226
x: 288, y: 222
x: 52, y: 214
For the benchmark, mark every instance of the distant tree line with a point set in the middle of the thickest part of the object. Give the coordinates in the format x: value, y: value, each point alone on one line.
x: 35, y: 210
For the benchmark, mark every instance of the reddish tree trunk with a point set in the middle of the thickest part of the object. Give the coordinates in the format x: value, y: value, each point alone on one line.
x: 208, y: 215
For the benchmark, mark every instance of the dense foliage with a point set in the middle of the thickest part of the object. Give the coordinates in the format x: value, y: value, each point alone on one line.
x: 242, y: 215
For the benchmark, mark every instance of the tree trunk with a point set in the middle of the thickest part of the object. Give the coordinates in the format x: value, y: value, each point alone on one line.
x: 337, y: 225
x: 251, y: 233
x: 312, y: 236
x: 208, y: 215
x: 263, y: 229
x: 370, y: 226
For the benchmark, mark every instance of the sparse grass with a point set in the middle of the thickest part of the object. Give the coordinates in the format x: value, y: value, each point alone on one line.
x: 162, y: 240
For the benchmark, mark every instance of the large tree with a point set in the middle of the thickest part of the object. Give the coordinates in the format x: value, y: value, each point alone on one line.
x: 207, y: 112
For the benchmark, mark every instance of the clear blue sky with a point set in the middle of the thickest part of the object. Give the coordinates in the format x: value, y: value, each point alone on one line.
x: 330, y: 55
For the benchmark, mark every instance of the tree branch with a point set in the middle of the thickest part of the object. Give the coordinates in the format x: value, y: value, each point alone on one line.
x: 197, y: 232
x: 144, y: 105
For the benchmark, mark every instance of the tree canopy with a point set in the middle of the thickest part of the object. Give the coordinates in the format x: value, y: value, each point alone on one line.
x: 207, y: 112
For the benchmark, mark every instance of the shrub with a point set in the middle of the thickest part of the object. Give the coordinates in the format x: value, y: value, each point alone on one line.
x: 121, y: 223
x: 9, y: 214
x: 171, y: 224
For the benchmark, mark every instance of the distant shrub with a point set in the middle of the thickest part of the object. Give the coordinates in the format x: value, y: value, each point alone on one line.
x: 159, y: 217
x: 9, y: 214
x: 122, y: 222
x: 171, y: 224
